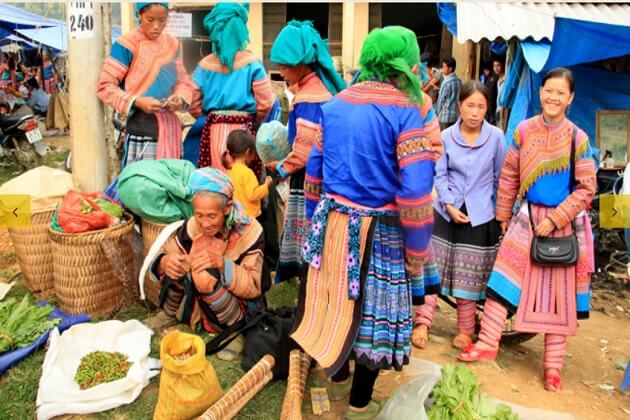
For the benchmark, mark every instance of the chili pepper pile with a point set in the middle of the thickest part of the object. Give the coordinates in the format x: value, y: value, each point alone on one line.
x: 22, y: 323
x: 99, y: 367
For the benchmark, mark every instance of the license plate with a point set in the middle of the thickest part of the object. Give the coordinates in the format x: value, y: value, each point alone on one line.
x: 34, y: 136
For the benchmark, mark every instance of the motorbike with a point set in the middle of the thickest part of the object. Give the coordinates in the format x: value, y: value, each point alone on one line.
x: 20, y: 138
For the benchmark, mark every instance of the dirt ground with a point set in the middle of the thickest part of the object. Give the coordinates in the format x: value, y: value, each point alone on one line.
x: 594, y: 363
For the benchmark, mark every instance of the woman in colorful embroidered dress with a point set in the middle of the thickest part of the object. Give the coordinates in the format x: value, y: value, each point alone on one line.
x: 234, y: 90
x: 49, y: 77
x: 545, y: 299
x: 211, y: 269
x: 465, y: 235
x: 306, y: 64
x: 373, y: 169
x: 145, y: 79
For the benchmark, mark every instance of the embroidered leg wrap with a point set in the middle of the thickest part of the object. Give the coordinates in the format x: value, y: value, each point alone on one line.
x: 466, y: 316
x: 492, y: 323
x: 555, y: 348
x: 424, y: 312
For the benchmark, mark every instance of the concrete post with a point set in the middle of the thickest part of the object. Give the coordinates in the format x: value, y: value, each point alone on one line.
x: 89, y: 150
x: 356, y: 22
x: 255, y: 26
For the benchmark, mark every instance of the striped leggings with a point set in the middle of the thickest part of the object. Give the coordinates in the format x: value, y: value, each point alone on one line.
x: 466, y: 314
x: 493, y: 323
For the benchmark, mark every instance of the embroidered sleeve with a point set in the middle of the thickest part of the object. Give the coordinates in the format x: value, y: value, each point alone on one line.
x: 184, y: 87
x: 585, y: 185
x: 308, y: 130
x: 169, y: 248
x: 112, y: 76
x: 431, y: 126
x: 416, y: 162
x: 243, y: 280
x: 314, y: 177
x: 499, y: 157
x: 263, y: 92
x: 509, y: 180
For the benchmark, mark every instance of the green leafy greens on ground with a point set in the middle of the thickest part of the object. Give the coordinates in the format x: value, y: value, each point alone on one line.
x: 457, y: 396
x: 99, y: 367
x: 22, y: 323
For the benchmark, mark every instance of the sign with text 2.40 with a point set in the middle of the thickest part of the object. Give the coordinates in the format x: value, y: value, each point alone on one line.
x: 81, y: 20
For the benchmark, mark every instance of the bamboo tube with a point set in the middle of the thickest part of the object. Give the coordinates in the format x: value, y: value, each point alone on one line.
x: 242, y: 391
x: 299, y: 365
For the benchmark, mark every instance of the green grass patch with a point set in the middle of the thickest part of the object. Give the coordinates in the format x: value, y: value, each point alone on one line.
x: 18, y: 386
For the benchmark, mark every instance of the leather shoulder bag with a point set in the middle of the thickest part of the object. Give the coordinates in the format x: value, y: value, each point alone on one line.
x: 556, y: 251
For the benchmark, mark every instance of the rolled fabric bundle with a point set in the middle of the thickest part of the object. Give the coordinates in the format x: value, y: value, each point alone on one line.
x: 242, y: 391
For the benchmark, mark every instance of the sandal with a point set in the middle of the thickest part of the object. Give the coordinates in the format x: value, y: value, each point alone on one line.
x: 473, y: 354
x: 461, y: 341
x: 370, y: 412
x: 420, y: 336
x: 553, y: 382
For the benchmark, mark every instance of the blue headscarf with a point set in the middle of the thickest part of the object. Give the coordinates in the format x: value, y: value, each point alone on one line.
x: 214, y: 181
x: 300, y: 43
x: 142, y: 5
x: 227, y: 26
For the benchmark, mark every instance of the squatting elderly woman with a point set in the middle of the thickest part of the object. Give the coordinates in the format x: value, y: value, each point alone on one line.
x: 556, y: 191
x: 234, y: 90
x: 307, y: 67
x: 373, y: 169
x: 145, y: 79
x: 211, y: 269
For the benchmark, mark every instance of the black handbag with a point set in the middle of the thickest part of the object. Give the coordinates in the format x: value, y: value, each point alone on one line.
x: 559, y: 251
x: 266, y: 332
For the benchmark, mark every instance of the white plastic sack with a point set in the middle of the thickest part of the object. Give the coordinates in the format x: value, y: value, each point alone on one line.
x: 407, y: 402
x: 46, y: 186
x: 58, y: 392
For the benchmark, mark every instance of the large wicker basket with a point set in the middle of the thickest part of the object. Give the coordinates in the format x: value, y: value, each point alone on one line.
x: 150, y: 232
x: 34, y: 254
x: 94, y: 272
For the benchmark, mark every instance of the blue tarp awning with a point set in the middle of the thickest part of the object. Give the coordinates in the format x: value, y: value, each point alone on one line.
x: 14, y: 18
x: 598, y: 41
x: 56, y: 37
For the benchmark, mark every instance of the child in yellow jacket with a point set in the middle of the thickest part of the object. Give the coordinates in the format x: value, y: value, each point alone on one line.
x: 241, y: 148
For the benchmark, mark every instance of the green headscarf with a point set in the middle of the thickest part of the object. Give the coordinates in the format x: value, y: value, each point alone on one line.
x: 227, y: 26
x: 389, y: 54
x: 300, y: 43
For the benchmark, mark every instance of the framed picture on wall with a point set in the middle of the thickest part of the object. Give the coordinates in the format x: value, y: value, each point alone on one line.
x: 613, y: 137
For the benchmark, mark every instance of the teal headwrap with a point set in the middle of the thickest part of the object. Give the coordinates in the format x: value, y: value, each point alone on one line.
x: 142, y: 5
x: 214, y: 181
x: 300, y: 43
x: 227, y: 25
x: 389, y: 54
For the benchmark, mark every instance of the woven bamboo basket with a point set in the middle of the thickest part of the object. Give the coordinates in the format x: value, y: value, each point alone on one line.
x: 150, y: 232
x: 94, y: 272
x: 34, y: 254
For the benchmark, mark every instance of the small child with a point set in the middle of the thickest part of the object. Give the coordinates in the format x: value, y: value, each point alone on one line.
x: 241, y: 147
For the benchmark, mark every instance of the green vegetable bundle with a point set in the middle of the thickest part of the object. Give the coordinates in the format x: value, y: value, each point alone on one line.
x: 21, y: 324
x: 457, y: 396
x: 99, y: 367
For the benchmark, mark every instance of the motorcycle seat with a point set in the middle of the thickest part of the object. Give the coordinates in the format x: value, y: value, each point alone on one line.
x: 9, y: 121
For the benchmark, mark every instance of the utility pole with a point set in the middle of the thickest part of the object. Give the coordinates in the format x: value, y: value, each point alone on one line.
x: 85, y: 58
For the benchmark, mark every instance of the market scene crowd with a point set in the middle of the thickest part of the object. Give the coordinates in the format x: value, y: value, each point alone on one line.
x: 374, y: 191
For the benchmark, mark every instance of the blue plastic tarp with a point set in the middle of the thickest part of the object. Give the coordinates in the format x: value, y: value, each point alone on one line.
x: 598, y: 41
x: 12, y: 357
x: 56, y: 37
x: 448, y: 15
x: 14, y: 18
